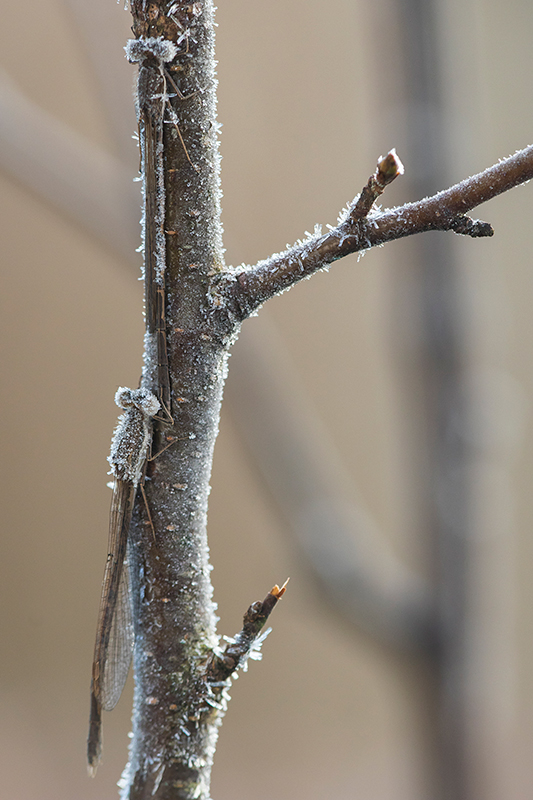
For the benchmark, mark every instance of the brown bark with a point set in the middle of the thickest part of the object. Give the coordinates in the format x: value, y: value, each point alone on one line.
x: 175, y: 721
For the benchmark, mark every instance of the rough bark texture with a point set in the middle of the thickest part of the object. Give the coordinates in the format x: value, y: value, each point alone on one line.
x: 175, y: 712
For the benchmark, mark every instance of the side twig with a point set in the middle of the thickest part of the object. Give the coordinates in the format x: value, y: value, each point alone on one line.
x: 246, y: 288
x: 387, y: 170
x: 238, y: 650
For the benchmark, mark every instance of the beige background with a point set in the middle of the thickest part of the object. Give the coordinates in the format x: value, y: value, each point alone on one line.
x: 309, y: 98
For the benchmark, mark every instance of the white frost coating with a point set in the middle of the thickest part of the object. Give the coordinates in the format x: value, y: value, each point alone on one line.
x: 139, y: 398
x: 345, y: 212
x: 158, y: 778
x: 212, y: 136
x: 133, y: 434
x: 196, y: 749
x: 162, y: 49
x: 255, y: 650
x: 303, y: 245
x: 150, y: 356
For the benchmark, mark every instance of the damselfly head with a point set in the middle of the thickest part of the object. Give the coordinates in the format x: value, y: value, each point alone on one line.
x: 142, y: 399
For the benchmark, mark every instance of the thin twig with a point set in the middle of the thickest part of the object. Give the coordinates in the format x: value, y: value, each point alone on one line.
x: 387, y: 170
x: 238, y: 649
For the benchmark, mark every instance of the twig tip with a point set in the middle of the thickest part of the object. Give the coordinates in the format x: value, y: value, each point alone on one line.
x: 278, y: 591
x: 389, y: 167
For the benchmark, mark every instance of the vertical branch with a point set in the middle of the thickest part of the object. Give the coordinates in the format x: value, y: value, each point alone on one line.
x: 174, y: 721
x: 445, y: 396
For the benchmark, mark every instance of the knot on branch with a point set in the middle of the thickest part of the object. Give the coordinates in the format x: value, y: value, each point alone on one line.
x: 476, y: 228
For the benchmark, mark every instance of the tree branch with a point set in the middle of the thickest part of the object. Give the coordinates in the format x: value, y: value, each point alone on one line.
x: 246, y: 289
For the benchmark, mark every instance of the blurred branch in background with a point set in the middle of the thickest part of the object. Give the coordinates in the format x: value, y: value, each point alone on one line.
x: 94, y: 24
x: 79, y: 179
x: 446, y: 403
x: 353, y: 565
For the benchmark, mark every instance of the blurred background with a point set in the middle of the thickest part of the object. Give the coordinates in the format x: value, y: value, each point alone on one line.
x: 376, y: 441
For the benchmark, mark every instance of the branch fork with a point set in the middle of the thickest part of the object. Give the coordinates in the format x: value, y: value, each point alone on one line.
x: 242, y: 291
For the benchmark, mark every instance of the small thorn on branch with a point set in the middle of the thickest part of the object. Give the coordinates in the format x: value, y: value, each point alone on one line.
x: 476, y: 228
x: 387, y: 170
x: 237, y: 651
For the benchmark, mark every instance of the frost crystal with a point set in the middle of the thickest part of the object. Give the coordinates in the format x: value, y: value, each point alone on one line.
x: 162, y: 49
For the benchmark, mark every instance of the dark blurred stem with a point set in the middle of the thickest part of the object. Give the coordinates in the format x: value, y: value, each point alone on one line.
x: 355, y: 570
x: 448, y: 508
